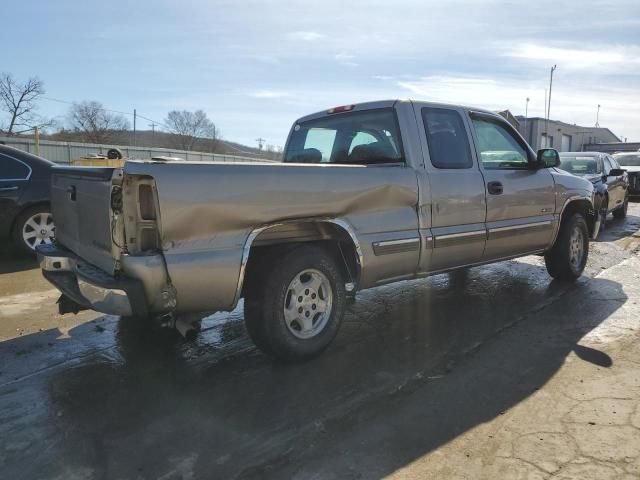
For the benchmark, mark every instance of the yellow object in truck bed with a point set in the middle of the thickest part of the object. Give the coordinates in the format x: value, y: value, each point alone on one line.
x: 98, y: 162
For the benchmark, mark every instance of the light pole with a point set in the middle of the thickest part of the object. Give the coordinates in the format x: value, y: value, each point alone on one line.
x: 598, y: 117
x: 549, y: 104
x: 526, y: 115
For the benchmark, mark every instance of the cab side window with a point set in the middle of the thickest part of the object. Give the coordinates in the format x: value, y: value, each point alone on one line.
x: 607, y: 165
x: 11, y: 169
x: 497, y: 146
x: 446, y: 138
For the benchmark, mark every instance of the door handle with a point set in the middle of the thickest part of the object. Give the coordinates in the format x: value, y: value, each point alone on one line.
x: 494, y: 188
x: 8, y: 189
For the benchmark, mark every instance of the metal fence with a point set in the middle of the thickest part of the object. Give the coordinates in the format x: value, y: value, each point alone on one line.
x: 71, y: 152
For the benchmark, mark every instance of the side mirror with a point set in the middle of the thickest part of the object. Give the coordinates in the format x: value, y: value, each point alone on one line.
x: 616, y: 172
x: 548, y: 157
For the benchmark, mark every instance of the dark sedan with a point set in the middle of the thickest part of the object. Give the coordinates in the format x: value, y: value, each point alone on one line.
x: 610, y: 181
x: 25, y: 214
x: 630, y: 161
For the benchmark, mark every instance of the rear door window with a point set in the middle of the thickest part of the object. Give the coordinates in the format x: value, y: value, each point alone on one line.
x: 446, y: 138
x: 11, y: 169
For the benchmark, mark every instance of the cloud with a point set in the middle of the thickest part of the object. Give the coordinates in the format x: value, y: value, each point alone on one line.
x: 306, y: 36
x: 346, y: 59
x: 573, y: 101
x: 269, y: 94
x: 627, y: 57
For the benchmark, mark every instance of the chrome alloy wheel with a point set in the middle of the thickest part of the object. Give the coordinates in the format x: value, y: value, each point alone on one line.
x: 307, y: 303
x: 38, y: 230
x: 576, y: 247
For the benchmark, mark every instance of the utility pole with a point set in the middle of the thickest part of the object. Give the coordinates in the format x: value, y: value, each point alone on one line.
x: 135, y: 114
x: 260, y: 141
x: 546, y: 122
x: 526, y: 115
x: 153, y: 126
x: 36, y: 135
x: 598, y: 117
x: 550, y: 86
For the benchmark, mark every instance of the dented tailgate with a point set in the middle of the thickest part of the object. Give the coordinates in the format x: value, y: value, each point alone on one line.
x: 80, y: 199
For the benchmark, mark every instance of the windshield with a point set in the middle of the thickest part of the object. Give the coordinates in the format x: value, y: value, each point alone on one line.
x: 628, y: 159
x: 358, y: 138
x: 580, y: 165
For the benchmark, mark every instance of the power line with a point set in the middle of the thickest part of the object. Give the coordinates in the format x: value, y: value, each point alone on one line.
x: 155, y: 123
x: 129, y: 114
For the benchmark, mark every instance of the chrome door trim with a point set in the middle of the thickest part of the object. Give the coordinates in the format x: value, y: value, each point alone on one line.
x: 451, y: 239
x: 524, y: 228
x: 396, y: 246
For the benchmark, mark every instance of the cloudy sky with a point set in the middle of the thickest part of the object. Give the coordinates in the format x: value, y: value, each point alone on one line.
x: 256, y: 66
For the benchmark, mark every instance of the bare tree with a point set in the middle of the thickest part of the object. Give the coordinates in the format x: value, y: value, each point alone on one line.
x: 188, y: 127
x: 96, y: 124
x: 19, y: 101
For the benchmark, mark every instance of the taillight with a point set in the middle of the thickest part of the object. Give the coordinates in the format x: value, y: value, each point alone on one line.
x: 146, y: 202
x: 148, y: 238
x: 343, y: 108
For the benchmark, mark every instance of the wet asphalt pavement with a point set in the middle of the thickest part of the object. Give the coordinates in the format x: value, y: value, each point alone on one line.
x: 94, y: 396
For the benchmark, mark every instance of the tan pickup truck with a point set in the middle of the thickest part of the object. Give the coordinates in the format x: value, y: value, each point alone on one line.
x: 366, y: 195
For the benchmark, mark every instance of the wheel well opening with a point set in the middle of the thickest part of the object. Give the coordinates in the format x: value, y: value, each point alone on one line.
x: 583, y: 207
x: 275, y: 242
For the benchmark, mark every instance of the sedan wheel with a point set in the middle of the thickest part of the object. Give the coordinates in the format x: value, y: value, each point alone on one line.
x: 34, y: 227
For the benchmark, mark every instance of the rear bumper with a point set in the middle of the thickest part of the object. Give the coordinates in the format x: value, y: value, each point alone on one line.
x: 89, y: 286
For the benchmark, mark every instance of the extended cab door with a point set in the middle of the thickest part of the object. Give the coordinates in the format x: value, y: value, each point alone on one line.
x: 520, y: 197
x: 458, y: 205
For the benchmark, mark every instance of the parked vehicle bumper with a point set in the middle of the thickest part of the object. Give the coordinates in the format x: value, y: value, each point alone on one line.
x: 634, y: 184
x: 89, y: 286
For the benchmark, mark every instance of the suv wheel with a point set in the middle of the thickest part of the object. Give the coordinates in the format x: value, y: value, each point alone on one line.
x: 568, y: 256
x: 34, y: 227
x: 296, y: 311
x: 621, y: 212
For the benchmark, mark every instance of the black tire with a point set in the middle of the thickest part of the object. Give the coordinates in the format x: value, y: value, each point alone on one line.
x: 604, y: 210
x: 559, y: 258
x: 253, y: 306
x: 621, y: 212
x: 19, y: 226
x: 265, y: 301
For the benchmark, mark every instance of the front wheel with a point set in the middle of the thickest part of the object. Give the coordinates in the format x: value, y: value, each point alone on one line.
x: 302, y: 302
x: 567, y: 258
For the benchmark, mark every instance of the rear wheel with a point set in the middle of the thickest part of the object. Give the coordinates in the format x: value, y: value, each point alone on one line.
x: 296, y: 311
x: 622, y: 211
x: 34, y: 227
x: 568, y: 256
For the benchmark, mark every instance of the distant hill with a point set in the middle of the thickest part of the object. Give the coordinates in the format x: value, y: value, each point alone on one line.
x: 147, y: 138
